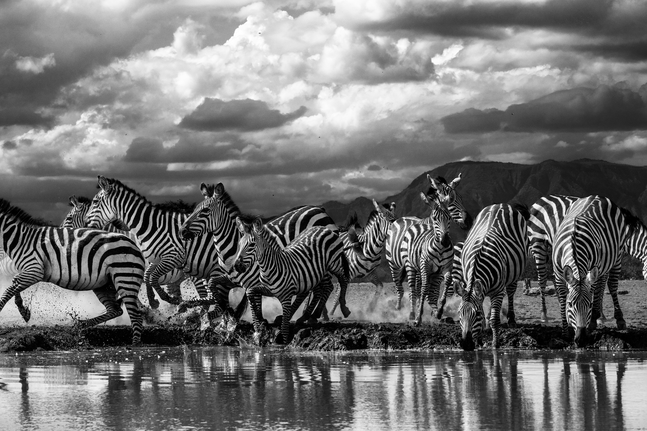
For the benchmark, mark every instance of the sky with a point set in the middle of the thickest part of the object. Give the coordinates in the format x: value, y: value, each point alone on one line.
x: 301, y: 101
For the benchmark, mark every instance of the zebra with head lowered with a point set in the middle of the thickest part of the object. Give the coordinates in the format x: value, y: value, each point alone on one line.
x: 216, y: 215
x: 493, y: 258
x: 305, y: 264
x: 157, y: 230
x: 427, y: 253
x: 109, y: 264
x: 587, y: 254
x: 438, y: 189
x: 545, y: 217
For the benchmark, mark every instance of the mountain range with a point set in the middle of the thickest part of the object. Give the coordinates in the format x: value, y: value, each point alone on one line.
x: 485, y: 183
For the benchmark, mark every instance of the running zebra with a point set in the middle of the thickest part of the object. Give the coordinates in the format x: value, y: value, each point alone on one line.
x: 438, y: 189
x: 371, y: 242
x: 109, y: 264
x: 216, y: 215
x: 587, y: 254
x: 493, y: 259
x: 157, y: 230
x: 303, y: 265
x: 427, y: 253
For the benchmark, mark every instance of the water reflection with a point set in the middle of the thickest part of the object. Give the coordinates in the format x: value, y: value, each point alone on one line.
x: 238, y: 388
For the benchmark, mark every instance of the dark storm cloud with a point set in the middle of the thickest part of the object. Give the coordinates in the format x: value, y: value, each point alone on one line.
x: 576, y: 110
x: 490, y: 19
x: 9, y: 145
x: 243, y: 115
x: 187, y: 150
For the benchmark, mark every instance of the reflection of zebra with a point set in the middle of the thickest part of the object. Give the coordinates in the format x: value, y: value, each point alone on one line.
x: 587, y: 255
x: 438, y: 190
x: 109, y: 264
x: 217, y: 214
x: 157, y: 229
x: 427, y: 255
x: 305, y: 264
x: 493, y: 258
x: 362, y: 264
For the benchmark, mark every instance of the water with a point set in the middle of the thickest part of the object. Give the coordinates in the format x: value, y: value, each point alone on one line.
x: 229, y: 388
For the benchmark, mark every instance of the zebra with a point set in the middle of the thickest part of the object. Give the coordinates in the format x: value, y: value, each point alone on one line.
x: 295, y: 269
x: 452, y: 279
x: 157, y: 229
x: 493, y: 258
x: 109, y: 264
x: 438, y: 189
x: 371, y: 240
x: 427, y: 253
x: 545, y: 217
x: 636, y: 246
x: 217, y: 214
x: 587, y: 254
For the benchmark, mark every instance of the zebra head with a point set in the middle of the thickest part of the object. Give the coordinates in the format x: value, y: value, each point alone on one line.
x: 216, y: 212
x: 438, y: 187
x: 249, y: 227
x: 102, y: 210
x: 76, y: 216
x: 470, y: 313
x: 441, y: 216
x: 579, y: 301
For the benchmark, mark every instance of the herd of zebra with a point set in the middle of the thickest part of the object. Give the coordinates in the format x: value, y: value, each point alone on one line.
x: 119, y: 240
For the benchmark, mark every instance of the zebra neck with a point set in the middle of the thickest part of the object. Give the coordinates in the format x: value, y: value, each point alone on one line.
x: 268, y: 250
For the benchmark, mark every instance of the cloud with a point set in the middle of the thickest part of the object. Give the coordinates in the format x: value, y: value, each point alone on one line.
x: 35, y: 65
x: 242, y: 115
x: 576, y: 110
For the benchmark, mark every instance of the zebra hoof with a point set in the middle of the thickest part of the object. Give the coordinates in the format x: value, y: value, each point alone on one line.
x: 345, y: 311
x: 622, y: 324
x: 26, y: 314
x: 154, y: 304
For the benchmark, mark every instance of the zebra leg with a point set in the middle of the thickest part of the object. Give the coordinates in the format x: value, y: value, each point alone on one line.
x: 285, y: 323
x: 495, y: 318
x: 25, y: 312
x: 254, y: 295
x: 612, y: 282
x: 135, y: 314
x: 398, y: 277
x: 539, y: 251
x: 19, y: 283
x: 414, y: 291
x: 150, y: 293
x: 424, y: 292
x: 307, y: 312
x: 562, y: 291
x: 511, y: 289
x: 448, y: 289
x: 326, y: 287
x: 336, y: 293
x: 107, y: 295
x: 152, y: 276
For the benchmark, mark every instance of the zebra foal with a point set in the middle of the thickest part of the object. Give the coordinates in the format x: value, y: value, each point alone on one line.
x: 493, y: 258
x: 109, y: 264
x: 297, y: 268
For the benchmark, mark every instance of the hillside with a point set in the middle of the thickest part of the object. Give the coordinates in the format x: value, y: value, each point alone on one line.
x: 485, y: 183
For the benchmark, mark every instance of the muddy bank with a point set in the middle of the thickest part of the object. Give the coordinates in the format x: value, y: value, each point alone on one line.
x: 337, y: 335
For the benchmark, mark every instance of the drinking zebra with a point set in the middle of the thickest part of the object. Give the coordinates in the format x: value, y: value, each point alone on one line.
x: 157, y: 230
x: 493, y: 259
x: 438, y: 189
x: 305, y: 264
x: 216, y: 215
x: 427, y: 253
x: 586, y: 256
x: 109, y: 264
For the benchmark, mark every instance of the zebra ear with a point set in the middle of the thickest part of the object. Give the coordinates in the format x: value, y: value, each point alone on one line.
x: 460, y: 288
x: 218, y: 190
x: 433, y: 183
x: 392, y: 207
x: 240, y: 225
x: 205, y: 190
x: 430, y: 202
x: 103, y: 182
x: 455, y: 181
x: 258, y: 223
x: 568, y: 274
x: 74, y: 202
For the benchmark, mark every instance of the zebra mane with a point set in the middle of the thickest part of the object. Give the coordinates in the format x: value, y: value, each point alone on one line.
x: 351, y: 221
x: 229, y: 203
x: 521, y: 209
x: 21, y: 215
x: 248, y: 219
x: 165, y: 206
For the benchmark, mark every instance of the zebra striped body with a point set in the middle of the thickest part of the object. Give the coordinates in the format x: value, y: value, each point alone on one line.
x: 453, y: 279
x: 427, y: 253
x: 372, y: 242
x: 492, y: 260
x: 217, y: 214
x: 296, y: 269
x: 636, y: 246
x: 157, y: 230
x: 439, y: 190
x: 586, y: 255
x: 545, y: 217
x: 109, y: 264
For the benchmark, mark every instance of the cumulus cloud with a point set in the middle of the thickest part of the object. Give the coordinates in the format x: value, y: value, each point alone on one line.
x: 576, y: 110
x: 243, y: 115
x: 35, y: 65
